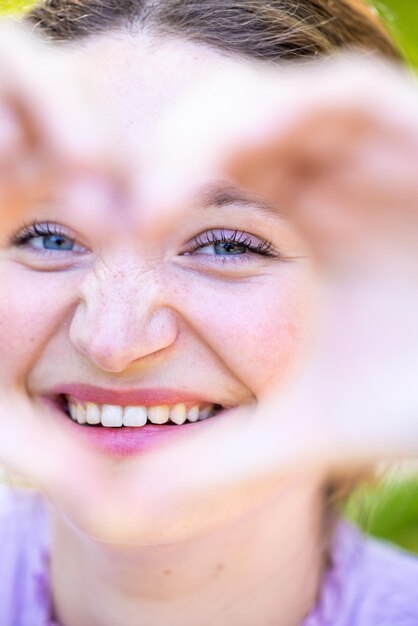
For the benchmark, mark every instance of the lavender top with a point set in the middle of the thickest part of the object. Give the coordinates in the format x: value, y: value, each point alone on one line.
x: 368, y: 583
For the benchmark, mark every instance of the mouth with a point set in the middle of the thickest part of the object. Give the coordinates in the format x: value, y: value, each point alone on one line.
x: 121, y: 423
x: 138, y: 416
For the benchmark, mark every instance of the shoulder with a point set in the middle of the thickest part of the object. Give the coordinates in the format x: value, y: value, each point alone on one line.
x: 24, y: 539
x: 370, y: 583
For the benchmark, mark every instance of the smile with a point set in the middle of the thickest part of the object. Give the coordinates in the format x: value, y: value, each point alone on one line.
x: 130, y: 421
x: 116, y: 416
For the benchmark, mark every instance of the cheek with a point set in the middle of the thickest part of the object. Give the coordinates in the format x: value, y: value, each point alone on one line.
x: 259, y: 327
x: 32, y: 305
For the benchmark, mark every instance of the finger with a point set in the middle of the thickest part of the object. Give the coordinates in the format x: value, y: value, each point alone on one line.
x: 48, y: 94
x: 50, y: 132
x: 280, y: 136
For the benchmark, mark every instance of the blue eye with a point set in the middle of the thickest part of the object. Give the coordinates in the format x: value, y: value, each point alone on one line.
x: 46, y: 237
x: 54, y: 242
x: 224, y: 248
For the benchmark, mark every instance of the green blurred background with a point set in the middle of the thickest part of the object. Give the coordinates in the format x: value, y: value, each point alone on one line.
x: 388, y: 508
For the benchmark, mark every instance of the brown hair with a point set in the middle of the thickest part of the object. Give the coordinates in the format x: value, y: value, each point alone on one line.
x: 265, y: 29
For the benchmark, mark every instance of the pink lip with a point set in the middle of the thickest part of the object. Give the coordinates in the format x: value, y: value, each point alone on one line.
x: 123, y: 441
x: 125, y: 397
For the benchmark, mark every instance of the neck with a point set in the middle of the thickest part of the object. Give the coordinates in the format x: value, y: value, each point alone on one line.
x: 261, y: 569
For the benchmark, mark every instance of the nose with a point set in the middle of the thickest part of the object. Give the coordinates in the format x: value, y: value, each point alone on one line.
x: 120, y: 320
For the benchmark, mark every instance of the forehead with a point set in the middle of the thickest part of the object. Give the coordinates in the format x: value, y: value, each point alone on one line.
x: 137, y: 77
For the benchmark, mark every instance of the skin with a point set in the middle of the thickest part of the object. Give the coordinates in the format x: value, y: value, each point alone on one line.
x: 121, y: 316
x: 129, y: 309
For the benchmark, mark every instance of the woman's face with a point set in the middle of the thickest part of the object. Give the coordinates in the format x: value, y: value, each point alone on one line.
x: 203, y: 314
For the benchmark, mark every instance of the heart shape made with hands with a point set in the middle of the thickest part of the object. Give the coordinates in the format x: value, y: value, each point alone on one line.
x: 341, y: 164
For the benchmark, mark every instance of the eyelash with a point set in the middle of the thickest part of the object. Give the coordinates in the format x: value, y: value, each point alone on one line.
x: 39, y: 229
x: 263, y: 247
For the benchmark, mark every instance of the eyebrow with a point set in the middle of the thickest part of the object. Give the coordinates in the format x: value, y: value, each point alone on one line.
x: 221, y: 193
x: 215, y: 195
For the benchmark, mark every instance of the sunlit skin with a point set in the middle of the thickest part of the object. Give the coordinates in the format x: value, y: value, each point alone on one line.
x: 125, y: 308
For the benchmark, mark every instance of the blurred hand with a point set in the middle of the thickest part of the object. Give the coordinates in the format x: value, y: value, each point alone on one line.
x: 344, y: 167
x: 50, y: 146
x: 48, y: 132
x: 336, y: 146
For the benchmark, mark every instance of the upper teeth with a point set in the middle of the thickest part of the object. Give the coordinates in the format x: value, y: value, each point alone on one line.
x: 112, y: 415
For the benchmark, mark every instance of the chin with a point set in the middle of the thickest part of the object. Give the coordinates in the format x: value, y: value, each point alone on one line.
x: 108, y: 525
x: 173, y: 520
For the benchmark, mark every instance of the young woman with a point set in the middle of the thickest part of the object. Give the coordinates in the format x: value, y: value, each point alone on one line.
x: 208, y: 273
